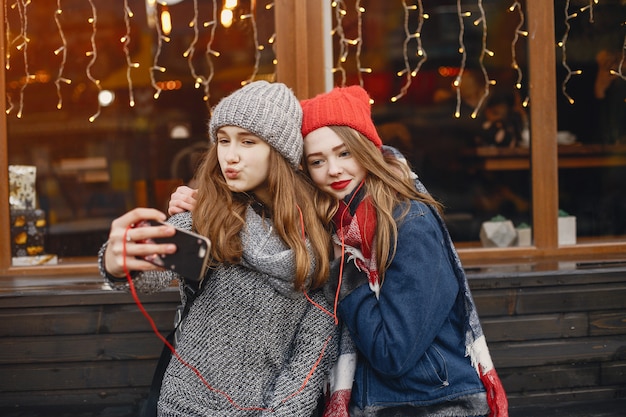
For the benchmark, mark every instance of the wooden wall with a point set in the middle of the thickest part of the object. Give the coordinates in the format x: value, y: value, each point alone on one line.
x: 79, y: 346
x: 553, y: 336
x: 556, y: 336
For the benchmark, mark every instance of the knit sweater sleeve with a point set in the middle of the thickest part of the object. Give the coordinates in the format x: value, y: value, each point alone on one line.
x: 299, y: 386
x: 147, y: 282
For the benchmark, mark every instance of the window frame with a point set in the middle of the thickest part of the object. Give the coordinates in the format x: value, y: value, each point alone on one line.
x: 300, y: 64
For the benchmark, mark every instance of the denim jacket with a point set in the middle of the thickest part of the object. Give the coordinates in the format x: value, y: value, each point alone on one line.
x: 412, y: 355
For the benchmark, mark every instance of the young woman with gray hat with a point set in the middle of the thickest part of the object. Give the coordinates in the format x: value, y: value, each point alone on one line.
x: 259, y: 333
x: 397, y: 282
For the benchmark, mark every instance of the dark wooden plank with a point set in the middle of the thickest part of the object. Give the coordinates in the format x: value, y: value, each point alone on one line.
x: 91, y: 319
x: 565, y: 396
x: 535, y: 327
x: 548, y: 378
x: 26, y: 400
x: 128, y: 318
x: 614, y: 373
x: 596, y: 407
x: 571, y: 298
x: 78, y: 348
x: 52, y: 297
x: 493, y: 303
x: 502, y: 277
x: 602, y: 323
x: 557, y: 351
x: 77, y: 375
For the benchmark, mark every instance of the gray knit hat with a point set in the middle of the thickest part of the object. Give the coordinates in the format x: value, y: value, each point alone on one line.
x: 269, y: 110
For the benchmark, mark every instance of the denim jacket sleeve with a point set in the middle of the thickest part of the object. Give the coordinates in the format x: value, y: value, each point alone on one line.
x: 416, y: 297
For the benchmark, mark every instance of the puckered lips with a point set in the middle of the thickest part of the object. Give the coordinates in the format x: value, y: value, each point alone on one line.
x: 231, y: 173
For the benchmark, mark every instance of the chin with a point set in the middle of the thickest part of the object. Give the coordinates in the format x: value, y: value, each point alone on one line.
x: 339, y: 195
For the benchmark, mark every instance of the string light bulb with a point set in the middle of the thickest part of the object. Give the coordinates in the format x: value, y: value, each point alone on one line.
x: 62, y: 50
x: 408, y: 72
x: 462, y: 50
x: 563, y: 45
x: 484, y: 51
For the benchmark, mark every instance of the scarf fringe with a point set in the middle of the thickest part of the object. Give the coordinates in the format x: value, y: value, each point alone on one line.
x: 479, y: 355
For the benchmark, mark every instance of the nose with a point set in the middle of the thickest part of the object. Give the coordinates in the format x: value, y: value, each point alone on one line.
x: 334, y: 168
x: 232, y: 155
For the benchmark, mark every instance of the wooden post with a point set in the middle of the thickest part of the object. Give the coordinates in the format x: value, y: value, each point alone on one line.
x: 300, y: 45
x: 543, y: 122
x: 5, y: 220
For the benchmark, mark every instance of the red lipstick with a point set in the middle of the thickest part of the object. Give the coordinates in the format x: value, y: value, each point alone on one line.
x: 340, y: 185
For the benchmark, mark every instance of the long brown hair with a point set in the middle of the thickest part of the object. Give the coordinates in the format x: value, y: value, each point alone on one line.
x: 388, y: 182
x: 220, y: 215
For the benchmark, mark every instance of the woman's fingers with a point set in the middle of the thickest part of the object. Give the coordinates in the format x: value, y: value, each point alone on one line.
x: 130, y: 240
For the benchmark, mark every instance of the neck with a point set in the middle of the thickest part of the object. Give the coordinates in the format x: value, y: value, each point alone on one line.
x: 263, y: 197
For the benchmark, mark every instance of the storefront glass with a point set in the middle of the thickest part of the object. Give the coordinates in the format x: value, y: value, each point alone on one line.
x: 111, y: 106
x: 449, y: 86
x: 470, y: 142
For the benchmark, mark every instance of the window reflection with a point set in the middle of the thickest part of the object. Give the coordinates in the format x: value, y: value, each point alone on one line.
x: 137, y: 148
x: 480, y: 167
x: 592, y: 117
x: 449, y: 133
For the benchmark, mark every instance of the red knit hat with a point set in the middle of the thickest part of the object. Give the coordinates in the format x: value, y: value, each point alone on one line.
x: 342, y: 106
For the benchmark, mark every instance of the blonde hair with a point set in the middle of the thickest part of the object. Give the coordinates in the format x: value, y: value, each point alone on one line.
x: 220, y: 215
x: 388, y: 182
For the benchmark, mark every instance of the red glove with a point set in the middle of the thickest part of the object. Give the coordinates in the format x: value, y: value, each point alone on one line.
x: 496, y: 397
x: 337, y: 405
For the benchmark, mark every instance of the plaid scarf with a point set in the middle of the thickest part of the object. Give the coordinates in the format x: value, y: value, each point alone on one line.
x: 355, y: 225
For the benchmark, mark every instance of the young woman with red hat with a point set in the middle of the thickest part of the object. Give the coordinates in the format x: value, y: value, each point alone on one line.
x: 397, y: 283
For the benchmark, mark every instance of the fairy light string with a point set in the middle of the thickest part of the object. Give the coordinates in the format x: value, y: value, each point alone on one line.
x: 407, y: 72
x: 190, y: 52
x: 590, y: 8
x: 7, y: 35
x: 22, y: 8
x: 128, y: 14
x: 257, y: 47
x: 17, y: 40
x: 7, y: 57
x: 160, y: 38
x: 93, y: 53
x: 482, y: 20
x: 209, y: 53
x: 619, y: 72
x: 358, y: 42
x: 563, y: 45
x: 272, y: 40
x: 463, y: 51
x: 61, y: 50
x: 516, y: 6
x: 344, y: 43
x: 342, y: 52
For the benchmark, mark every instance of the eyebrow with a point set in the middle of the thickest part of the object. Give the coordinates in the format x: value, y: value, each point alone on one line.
x: 241, y: 133
x: 334, y: 149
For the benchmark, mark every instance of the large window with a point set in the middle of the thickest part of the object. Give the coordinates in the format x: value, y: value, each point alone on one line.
x: 109, y: 102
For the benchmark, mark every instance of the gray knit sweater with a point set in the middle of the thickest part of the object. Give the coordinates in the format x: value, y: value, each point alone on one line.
x: 253, y: 338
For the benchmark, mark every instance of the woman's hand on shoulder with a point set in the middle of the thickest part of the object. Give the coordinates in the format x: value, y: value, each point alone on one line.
x: 183, y: 199
x: 130, y: 241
